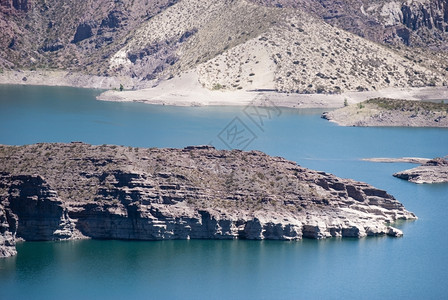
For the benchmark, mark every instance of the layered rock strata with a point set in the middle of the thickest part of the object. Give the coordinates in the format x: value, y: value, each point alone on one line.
x: 69, y: 191
x: 433, y: 171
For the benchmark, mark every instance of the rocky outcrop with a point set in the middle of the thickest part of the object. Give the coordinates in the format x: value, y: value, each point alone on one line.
x: 39, y: 212
x: 413, y: 23
x: 83, y: 31
x: 7, y: 234
x: 23, y: 5
x: 429, y: 15
x: 31, y: 211
x: 391, y: 112
x: 433, y: 171
x: 88, y: 31
x: 66, y: 191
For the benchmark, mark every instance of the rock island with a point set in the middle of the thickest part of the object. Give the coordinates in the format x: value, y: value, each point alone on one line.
x: 76, y: 190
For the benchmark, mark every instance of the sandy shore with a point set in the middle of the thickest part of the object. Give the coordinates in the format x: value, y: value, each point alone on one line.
x: 185, y: 90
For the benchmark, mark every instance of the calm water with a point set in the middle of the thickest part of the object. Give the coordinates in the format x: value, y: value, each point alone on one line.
x: 413, y: 267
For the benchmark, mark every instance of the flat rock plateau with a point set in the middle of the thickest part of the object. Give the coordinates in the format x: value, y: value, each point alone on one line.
x: 76, y: 190
x: 391, y: 112
x: 433, y: 171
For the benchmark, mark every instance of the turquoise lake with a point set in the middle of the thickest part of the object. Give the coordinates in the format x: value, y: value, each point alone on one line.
x: 412, y: 267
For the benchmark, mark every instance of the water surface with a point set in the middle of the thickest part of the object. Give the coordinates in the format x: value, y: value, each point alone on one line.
x: 413, y: 267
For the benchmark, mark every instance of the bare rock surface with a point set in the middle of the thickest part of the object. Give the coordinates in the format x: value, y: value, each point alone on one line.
x: 69, y: 191
x: 433, y: 171
x: 391, y: 112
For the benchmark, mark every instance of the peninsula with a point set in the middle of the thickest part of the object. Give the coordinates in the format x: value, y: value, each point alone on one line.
x: 433, y: 171
x: 391, y: 112
x: 76, y: 191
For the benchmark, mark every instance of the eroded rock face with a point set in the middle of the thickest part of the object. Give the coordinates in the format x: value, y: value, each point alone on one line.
x: 7, y: 238
x: 433, y: 171
x: 411, y: 22
x: 40, y: 213
x: 23, y: 5
x: 31, y: 211
x: 110, y: 192
x: 83, y: 31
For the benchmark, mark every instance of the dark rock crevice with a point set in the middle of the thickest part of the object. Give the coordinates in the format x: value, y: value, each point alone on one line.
x: 83, y: 31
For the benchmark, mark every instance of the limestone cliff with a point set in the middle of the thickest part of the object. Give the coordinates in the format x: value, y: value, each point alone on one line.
x: 66, y: 191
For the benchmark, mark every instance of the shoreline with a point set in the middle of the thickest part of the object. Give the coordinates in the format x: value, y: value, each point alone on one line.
x: 412, y: 160
x: 185, y: 90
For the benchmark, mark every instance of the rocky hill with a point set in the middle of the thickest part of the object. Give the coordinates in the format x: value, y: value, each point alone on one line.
x: 68, y: 34
x: 420, y: 23
x: 70, y: 191
x: 288, y: 46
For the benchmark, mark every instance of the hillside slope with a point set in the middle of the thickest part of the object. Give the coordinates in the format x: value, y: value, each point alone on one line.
x: 288, y: 46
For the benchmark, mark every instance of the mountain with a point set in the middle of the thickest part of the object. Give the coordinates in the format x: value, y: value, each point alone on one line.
x: 418, y: 23
x: 300, y: 46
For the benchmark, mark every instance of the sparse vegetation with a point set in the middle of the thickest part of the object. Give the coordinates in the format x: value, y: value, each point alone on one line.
x: 407, y: 105
x: 392, y: 112
x: 320, y: 89
x: 217, y: 86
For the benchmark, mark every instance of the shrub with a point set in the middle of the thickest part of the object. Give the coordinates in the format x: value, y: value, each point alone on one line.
x: 217, y: 86
x: 320, y: 89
